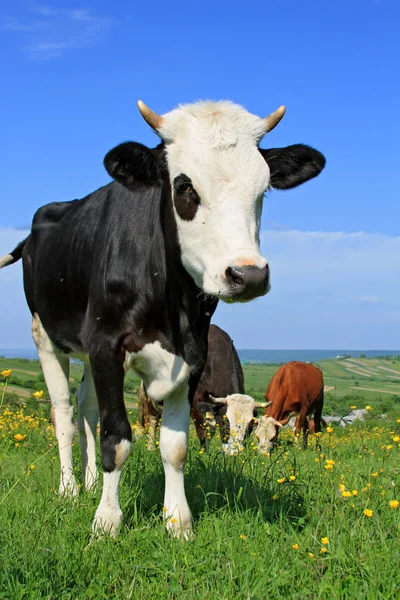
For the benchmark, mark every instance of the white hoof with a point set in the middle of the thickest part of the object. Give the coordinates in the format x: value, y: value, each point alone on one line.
x: 68, y: 489
x: 179, y: 528
x: 91, y: 480
x: 107, y: 522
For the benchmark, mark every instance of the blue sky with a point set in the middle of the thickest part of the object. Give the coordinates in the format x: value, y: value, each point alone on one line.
x: 72, y: 75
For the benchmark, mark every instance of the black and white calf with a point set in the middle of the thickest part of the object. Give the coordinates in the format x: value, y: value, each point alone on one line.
x: 130, y: 276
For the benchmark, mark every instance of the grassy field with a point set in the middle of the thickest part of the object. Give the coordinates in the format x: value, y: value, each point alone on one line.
x: 320, y: 523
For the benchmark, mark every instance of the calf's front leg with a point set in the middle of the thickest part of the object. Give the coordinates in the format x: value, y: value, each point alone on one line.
x: 173, y: 446
x: 115, y: 439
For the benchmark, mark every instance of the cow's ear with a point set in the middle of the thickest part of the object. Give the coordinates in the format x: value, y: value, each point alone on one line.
x: 293, y: 165
x: 204, y: 407
x: 133, y: 164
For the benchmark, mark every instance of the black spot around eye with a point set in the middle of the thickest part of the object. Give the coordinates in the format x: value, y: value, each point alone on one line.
x: 186, y: 199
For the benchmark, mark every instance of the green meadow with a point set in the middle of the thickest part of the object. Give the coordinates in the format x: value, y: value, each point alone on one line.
x: 303, y: 524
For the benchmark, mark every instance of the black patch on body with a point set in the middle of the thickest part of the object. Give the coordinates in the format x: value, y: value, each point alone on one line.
x: 105, y: 276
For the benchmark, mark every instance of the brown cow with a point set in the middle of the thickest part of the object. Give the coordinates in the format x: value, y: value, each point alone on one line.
x: 296, y: 388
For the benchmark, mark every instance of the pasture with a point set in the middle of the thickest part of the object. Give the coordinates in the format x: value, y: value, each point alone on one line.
x: 320, y: 523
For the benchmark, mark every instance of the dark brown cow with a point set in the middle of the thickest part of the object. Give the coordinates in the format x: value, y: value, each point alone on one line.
x: 296, y: 388
x: 219, y: 398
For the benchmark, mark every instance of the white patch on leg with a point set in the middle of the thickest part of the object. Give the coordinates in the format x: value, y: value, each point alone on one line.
x: 121, y: 453
x: 161, y: 371
x: 108, y: 515
x: 55, y: 368
x: 165, y: 376
x: 88, y: 415
x: 173, y: 446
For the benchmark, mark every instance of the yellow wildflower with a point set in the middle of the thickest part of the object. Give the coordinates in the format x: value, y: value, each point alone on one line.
x: 325, y: 541
x: 329, y: 461
x: 282, y: 480
x: 19, y: 437
x: 396, y: 439
x: 368, y: 407
x: 32, y: 466
x: 311, y: 555
x: 329, y: 429
x: 243, y: 537
x: 342, y: 487
x: 16, y: 445
x: 173, y: 520
x: 375, y: 474
x: 275, y: 497
x: 368, y: 512
x: 323, y: 550
x: 292, y: 478
x: 346, y: 494
x: 389, y: 447
x: 328, y: 467
x: 394, y: 503
x: 295, y: 546
x: 38, y: 394
x: 6, y: 373
x: 353, y: 407
x: 355, y: 493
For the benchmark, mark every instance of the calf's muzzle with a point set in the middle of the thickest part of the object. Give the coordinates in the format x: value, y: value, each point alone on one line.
x: 247, y: 282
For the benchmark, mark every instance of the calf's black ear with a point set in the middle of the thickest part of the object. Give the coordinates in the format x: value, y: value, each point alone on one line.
x: 293, y: 165
x: 132, y: 164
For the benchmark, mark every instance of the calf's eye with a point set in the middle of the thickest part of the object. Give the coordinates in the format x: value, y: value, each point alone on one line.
x: 186, y: 199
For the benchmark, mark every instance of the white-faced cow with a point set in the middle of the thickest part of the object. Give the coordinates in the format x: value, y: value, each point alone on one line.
x: 219, y: 398
x: 129, y: 277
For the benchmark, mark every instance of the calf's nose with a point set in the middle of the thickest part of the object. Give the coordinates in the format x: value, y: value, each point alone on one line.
x: 248, y: 282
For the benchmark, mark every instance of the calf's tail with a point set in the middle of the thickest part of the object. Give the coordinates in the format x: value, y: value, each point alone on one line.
x: 14, y: 256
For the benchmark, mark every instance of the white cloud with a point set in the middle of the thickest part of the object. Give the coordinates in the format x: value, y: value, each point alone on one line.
x: 329, y: 290
x: 51, y: 32
x: 369, y: 299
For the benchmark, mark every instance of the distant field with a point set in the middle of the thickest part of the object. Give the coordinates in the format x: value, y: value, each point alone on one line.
x: 377, y: 382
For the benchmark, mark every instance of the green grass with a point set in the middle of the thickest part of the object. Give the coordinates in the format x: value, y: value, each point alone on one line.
x: 245, y: 522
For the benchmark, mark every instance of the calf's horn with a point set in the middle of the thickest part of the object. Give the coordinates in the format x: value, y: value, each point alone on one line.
x: 263, y: 404
x: 272, y: 120
x: 217, y: 400
x: 152, y: 118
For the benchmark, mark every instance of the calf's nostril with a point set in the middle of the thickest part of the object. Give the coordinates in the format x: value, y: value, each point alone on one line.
x: 235, y: 275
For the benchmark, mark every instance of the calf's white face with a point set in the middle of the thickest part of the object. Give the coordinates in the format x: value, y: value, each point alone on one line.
x: 215, y: 146
x: 266, y: 431
x: 218, y: 178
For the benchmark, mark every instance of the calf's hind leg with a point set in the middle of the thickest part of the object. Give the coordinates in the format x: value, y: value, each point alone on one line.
x: 55, y: 368
x: 88, y: 415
